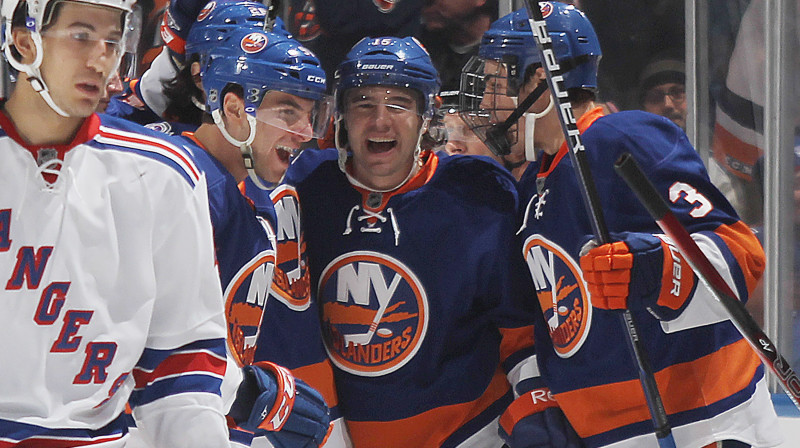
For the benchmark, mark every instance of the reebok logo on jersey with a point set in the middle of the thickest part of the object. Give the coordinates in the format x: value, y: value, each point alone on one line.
x: 562, y: 294
x: 375, y: 313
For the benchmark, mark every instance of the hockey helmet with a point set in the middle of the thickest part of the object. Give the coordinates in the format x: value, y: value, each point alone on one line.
x: 262, y: 63
x: 37, y: 16
x: 389, y: 61
x: 217, y: 19
x: 575, y: 43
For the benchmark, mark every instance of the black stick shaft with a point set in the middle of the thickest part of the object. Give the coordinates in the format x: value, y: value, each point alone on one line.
x: 627, y: 167
x: 592, y: 203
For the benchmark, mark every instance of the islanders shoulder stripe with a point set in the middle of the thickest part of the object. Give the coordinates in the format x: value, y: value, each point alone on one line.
x: 151, y: 146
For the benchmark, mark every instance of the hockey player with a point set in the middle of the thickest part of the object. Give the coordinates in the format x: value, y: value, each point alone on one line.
x: 244, y: 147
x: 711, y: 382
x: 111, y: 296
x: 279, y: 65
x: 425, y: 354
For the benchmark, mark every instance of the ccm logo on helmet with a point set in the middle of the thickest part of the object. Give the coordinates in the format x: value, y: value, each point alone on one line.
x: 316, y: 79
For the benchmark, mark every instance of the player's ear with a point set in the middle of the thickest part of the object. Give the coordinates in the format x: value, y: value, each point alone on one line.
x: 23, y: 43
x: 233, y: 105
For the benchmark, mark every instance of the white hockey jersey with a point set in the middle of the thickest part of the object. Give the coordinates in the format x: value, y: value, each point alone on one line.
x: 110, y: 294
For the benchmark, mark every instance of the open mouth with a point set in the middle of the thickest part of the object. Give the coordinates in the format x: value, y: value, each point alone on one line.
x: 285, y: 153
x: 380, y: 145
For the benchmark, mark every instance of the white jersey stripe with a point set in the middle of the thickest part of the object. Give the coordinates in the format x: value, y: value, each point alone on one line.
x: 148, y: 144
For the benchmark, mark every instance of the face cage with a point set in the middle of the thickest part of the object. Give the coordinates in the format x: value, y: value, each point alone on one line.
x: 480, y: 105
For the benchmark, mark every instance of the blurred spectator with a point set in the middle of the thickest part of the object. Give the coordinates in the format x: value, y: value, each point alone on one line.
x: 329, y: 28
x: 662, y: 84
x: 630, y: 33
x: 451, y: 32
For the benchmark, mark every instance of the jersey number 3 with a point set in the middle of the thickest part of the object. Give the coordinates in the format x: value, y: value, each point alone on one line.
x: 692, y: 196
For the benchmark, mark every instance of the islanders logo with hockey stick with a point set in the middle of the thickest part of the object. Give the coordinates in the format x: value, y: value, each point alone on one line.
x: 291, y: 283
x: 562, y: 294
x: 374, y: 313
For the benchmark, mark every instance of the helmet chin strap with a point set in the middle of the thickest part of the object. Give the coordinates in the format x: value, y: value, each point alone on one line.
x: 245, y: 147
x: 530, y: 126
x: 34, y: 73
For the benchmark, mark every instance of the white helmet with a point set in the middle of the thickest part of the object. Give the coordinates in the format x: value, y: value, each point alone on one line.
x: 37, y: 16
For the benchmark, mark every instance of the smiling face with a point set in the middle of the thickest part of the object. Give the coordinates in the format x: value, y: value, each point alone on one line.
x: 284, y: 124
x: 81, y: 50
x: 383, y: 128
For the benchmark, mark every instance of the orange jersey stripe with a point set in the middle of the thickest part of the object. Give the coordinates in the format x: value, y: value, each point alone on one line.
x: 683, y: 387
x: 727, y: 144
x: 320, y: 377
x: 515, y: 339
x: 428, y: 429
x: 746, y: 249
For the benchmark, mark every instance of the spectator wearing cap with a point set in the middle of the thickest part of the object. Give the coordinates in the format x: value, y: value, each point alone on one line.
x: 663, y: 89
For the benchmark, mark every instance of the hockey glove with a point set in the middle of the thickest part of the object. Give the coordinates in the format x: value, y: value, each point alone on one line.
x: 638, y: 271
x: 534, y: 420
x: 271, y: 402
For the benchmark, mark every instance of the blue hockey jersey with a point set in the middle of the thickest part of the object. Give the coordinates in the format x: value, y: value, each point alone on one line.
x: 266, y: 322
x: 711, y: 382
x: 421, y: 300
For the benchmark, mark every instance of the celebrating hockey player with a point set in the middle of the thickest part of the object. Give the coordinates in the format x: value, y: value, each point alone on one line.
x: 425, y: 353
x: 105, y: 241
x: 711, y: 382
x: 244, y: 147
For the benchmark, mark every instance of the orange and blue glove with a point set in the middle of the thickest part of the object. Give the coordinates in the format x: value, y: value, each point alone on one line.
x: 638, y: 271
x: 271, y: 402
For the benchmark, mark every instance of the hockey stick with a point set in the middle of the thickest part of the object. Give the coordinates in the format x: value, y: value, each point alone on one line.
x: 591, y: 201
x: 627, y: 167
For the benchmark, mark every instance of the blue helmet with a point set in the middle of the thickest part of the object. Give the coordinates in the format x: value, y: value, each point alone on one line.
x: 259, y: 62
x: 510, y: 40
x: 389, y: 61
x: 217, y: 19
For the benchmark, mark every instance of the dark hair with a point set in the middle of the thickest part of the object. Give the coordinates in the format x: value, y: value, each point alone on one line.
x: 179, y: 92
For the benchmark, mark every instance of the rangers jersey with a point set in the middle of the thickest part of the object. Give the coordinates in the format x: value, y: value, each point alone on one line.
x: 110, y: 292
x: 421, y: 301
x: 711, y: 382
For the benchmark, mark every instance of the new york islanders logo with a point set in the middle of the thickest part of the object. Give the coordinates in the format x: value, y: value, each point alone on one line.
x: 253, y: 43
x: 374, y: 313
x: 385, y: 6
x: 292, y: 281
x: 245, y: 298
x: 206, y: 11
x: 546, y: 8
x: 562, y: 294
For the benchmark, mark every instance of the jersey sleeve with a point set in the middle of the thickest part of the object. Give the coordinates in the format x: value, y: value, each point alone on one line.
x: 673, y: 166
x: 176, y: 397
